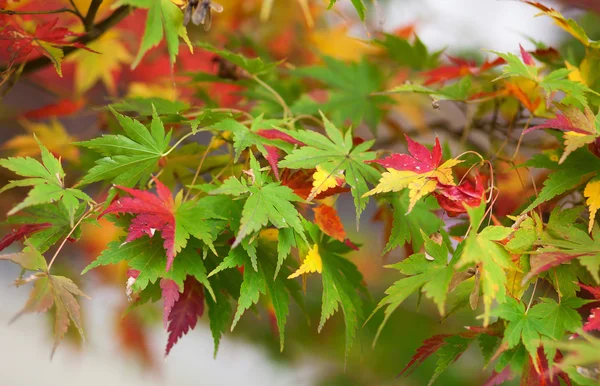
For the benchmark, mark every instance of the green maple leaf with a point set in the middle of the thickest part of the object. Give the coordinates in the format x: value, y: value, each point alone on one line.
x: 482, y: 249
x: 335, y: 154
x: 196, y: 219
x: 415, y: 55
x: 454, y: 347
x: 341, y: 283
x: 56, y: 215
x: 408, y: 227
x: 266, y: 202
x: 130, y: 158
x: 351, y: 87
x: 523, y: 327
x: 163, y: 15
x: 148, y: 257
x: 558, y: 318
x: 246, y: 137
x: 429, y: 272
x: 254, y: 66
x: 358, y: 5
x: 219, y: 313
x: 262, y: 281
x: 47, y: 182
x: 561, y: 236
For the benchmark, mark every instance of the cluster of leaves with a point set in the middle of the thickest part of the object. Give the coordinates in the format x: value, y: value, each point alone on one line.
x: 227, y: 225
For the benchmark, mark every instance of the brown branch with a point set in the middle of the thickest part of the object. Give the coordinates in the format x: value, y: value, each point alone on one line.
x: 94, y: 33
x: 88, y: 22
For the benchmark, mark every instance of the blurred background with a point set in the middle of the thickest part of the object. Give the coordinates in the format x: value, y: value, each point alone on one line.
x: 130, y: 351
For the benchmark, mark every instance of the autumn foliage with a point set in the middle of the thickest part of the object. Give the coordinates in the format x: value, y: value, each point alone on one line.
x: 224, y: 172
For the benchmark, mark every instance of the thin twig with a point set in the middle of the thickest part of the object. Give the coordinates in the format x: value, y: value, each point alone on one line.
x: 286, y: 110
x: 187, y: 194
x: 59, y: 10
x: 532, y: 295
x: 60, y: 247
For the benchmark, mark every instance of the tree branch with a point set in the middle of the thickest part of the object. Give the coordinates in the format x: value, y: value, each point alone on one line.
x: 91, y: 14
x: 94, y: 33
x: 60, y: 10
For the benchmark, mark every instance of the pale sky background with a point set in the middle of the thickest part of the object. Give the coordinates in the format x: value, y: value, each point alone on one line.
x: 25, y: 346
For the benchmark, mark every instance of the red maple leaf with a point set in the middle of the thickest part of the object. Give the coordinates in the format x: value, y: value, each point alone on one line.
x: 19, y: 43
x: 544, y: 377
x: 61, y: 108
x: 527, y: 58
x: 170, y: 295
x: 153, y: 213
x: 458, y: 68
x: 593, y: 321
x: 453, y: 198
x: 420, y: 160
x: 21, y: 232
x: 185, y: 312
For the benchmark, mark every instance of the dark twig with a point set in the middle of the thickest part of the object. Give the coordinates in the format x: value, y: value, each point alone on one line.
x: 91, y: 14
x: 60, y: 10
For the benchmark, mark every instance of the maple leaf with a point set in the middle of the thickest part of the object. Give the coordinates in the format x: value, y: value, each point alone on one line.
x: 267, y: 141
x: 498, y: 378
x: 338, y: 155
x: 48, y: 291
x: 128, y: 159
x: 64, y: 107
x: 170, y: 295
x: 491, y: 259
x: 448, y: 348
x: 335, y: 42
x: 163, y: 15
x: 47, y: 182
x: 312, y: 263
x: 350, y: 97
x: 581, y: 128
x: 562, y: 242
x: 47, y: 40
x: 302, y: 183
x: 22, y: 232
x: 409, y: 228
x: 187, y: 308
x: 576, y: 170
x: 593, y: 321
x: 420, y: 172
x: 569, y: 25
x: 328, y: 220
x: 457, y: 69
x: 267, y: 202
x: 324, y: 179
x: 104, y: 64
x: 176, y: 222
x: 428, y: 272
x: 454, y: 198
x: 415, y: 55
x: 358, y: 5
x: 53, y: 135
x: 592, y: 193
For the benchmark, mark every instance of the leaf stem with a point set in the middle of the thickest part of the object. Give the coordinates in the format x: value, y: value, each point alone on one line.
x: 60, y: 247
x: 286, y: 110
x: 532, y: 295
x: 187, y: 194
x: 183, y: 139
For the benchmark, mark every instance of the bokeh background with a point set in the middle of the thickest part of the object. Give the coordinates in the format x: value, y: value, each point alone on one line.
x: 129, y: 352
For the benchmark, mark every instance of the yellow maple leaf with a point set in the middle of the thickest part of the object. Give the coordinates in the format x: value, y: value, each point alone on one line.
x: 336, y: 43
x: 592, y: 193
x: 52, y: 134
x: 569, y: 25
x: 164, y: 90
x: 312, y: 263
x: 91, y: 67
x: 324, y: 179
